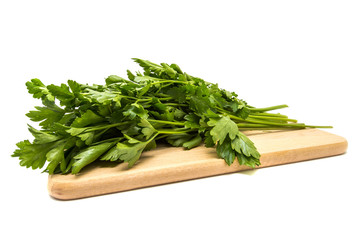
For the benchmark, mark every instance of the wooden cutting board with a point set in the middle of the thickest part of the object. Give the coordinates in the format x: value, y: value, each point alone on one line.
x: 169, y: 164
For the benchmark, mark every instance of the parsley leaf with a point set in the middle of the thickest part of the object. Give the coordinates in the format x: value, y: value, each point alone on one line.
x: 87, y: 118
x: 222, y: 127
x: 47, y: 115
x: 63, y: 94
x: 39, y: 90
x: 90, y: 154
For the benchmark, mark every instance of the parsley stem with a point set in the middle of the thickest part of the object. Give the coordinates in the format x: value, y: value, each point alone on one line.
x: 268, y: 108
x: 260, y: 115
x: 268, y: 128
x: 250, y: 125
x: 285, y: 124
x: 143, y: 100
x: 166, y: 122
x: 108, y: 126
x: 273, y: 118
x: 252, y: 120
x: 268, y: 114
x: 170, y: 131
x: 176, y: 104
x: 263, y: 116
x: 167, y: 81
x: 165, y: 98
x: 273, y: 123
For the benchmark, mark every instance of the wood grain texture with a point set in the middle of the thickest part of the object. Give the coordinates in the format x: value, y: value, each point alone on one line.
x: 168, y: 164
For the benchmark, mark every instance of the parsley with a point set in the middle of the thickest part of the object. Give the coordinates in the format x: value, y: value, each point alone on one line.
x: 119, y: 120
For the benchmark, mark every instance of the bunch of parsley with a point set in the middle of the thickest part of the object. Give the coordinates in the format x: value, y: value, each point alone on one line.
x: 117, y: 121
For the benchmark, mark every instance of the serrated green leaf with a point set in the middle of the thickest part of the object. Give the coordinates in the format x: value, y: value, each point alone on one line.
x: 128, y: 151
x: 74, y: 86
x: 179, y: 114
x: 192, y: 121
x: 199, y: 104
x: 55, y: 156
x: 178, y: 93
x: 89, y: 155
x: 147, y: 129
x: 130, y: 75
x: 76, y: 131
x: 151, y: 67
x: 242, y: 144
x: 87, y: 118
x: 247, y: 161
x: 42, y: 137
x: 225, y: 151
x: 222, y: 127
x: 133, y: 110
x: 32, y: 155
x: 103, y: 97
x: 62, y: 93
x: 87, y: 137
x: 39, y: 90
x: 125, y: 152
x: 47, y: 115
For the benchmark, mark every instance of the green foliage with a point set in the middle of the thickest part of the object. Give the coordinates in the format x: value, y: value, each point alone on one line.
x: 119, y: 120
x: 87, y: 118
x: 47, y: 115
x: 89, y: 155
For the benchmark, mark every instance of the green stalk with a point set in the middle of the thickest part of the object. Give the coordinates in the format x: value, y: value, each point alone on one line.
x: 108, y: 126
x: 268, y: 108
x: 273, y: 118
x: 270, y: 128
x: 176, y: 104
x: 285, y: 124
x: 167, y: 81
x: 251, y: 125
x: 268, y: 114
x: 174, y: 131
x: 272, y: 123
x: 166, y: 122
x: 165, y: 98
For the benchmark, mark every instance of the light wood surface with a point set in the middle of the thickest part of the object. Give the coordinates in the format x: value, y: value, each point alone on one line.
x: 169, y: 164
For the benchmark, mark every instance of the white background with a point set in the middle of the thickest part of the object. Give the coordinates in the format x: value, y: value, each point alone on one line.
x: 302, y: 53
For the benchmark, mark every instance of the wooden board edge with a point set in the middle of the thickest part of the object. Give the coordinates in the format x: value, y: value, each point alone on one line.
x: 69, y: 191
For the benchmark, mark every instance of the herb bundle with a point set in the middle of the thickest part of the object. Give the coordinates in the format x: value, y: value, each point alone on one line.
x: 117, y: 121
